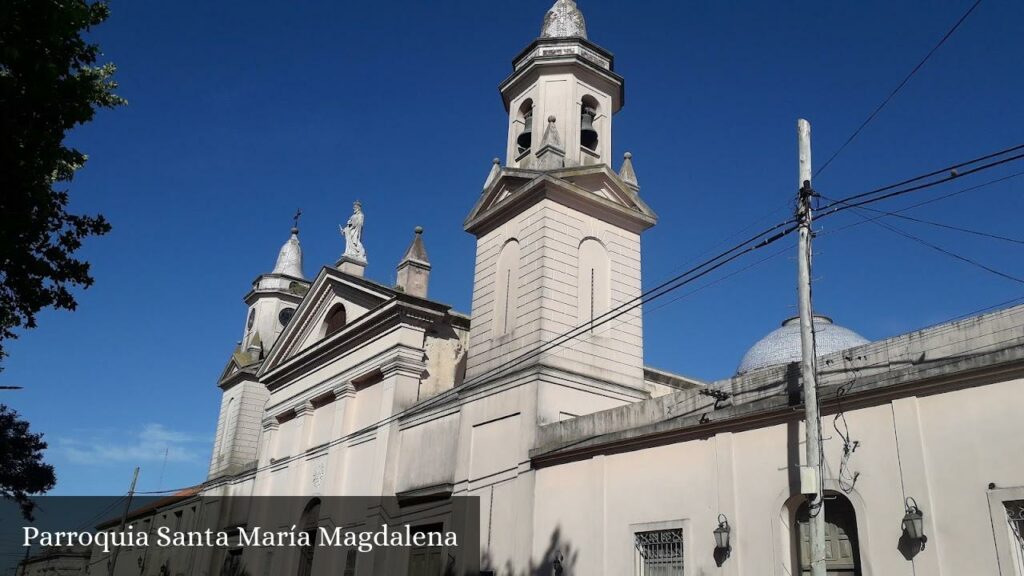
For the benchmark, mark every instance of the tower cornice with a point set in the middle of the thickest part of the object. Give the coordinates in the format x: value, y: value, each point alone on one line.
x: 545, y: 54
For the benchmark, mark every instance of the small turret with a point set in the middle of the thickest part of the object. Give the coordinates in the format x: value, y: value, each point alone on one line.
x: 414, y: 269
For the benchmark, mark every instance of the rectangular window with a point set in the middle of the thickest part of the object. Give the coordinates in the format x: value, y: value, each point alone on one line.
x: 659, y: 552
x: 1015, y: 517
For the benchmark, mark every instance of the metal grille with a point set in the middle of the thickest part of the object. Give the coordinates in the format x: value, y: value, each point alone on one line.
x: 1015, y: 516
x: 659, y: 552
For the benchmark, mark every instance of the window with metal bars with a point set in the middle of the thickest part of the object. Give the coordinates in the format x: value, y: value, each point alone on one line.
x: 659, y: 552
x: 1015, y: 517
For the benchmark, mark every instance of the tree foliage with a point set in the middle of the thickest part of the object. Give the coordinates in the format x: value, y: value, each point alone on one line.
x: 50, y: 82
x: 22, y: 471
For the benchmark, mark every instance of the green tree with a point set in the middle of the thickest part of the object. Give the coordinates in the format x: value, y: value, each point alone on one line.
x: 22, y: 470
x: 50, y: 82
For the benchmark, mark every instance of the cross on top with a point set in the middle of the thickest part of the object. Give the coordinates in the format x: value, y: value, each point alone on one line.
x: 298, y: 213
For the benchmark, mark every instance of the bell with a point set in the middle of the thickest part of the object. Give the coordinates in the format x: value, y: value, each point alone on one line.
x: 526, y: 136
x: 588, y: 136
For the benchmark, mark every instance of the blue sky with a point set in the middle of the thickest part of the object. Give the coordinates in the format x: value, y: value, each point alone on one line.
x: 240, y: 112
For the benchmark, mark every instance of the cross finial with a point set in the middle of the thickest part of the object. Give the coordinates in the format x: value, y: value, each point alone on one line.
x: 298, y: 214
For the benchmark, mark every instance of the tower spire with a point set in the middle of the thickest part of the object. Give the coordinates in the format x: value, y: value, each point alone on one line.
x: 289, y: 259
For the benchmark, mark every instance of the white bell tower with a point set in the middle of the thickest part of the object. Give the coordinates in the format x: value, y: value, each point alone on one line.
x: 271, y: 303
x: 274, y: 297
x: 558, y: 230
x: 561, y: 96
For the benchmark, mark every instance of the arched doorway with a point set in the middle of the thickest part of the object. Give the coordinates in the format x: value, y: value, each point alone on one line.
x: 308, y: 524
x: 842, y: 546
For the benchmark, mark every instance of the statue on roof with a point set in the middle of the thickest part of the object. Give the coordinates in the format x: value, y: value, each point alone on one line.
x: 353, y: 233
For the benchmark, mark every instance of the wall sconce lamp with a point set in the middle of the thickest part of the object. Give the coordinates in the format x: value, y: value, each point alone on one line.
x: 722, y: 535
x: 913, y: 522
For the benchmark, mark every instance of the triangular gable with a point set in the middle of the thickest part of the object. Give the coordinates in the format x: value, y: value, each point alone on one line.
x: 331, y: 286
x: 500, y: 188
x: 597, y: 186
x: 239, y: 362
x: 604, y: 182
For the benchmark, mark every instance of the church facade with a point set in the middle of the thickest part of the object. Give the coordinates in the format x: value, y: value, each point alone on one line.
x: 586, y: 461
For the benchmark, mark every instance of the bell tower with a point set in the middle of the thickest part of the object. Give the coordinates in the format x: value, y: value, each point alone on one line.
x: 271, y: 302
x: 274, y: 297
x: 558, y: 230
x: 562, y: 94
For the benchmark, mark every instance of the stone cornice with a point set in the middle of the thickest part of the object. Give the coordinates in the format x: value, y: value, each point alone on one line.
x: 346, y: 390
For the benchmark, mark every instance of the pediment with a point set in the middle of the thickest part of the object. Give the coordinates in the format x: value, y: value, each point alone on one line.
x: 239, y: 363
x: 594, y: 189
x: 308, y: 326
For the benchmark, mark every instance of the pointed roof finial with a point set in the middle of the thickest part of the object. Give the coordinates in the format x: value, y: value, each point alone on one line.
x: 551, y: 137
x: 416, y: 250
x: 494, y: 173
x: 564, y: 20
x: 627, y: 173
x: 289, y: 259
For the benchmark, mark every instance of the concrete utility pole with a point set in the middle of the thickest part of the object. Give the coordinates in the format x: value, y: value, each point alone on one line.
x: 810, y: 475
x: 112, y: 565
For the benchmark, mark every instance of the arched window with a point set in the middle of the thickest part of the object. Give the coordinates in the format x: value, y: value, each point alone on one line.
x: 308, y: 524
x: 594, y: 280
x: 588, y: 132
x: 336, y: 319
x: 840, y: 537
x: 506, y: 288
x: 524, y: 140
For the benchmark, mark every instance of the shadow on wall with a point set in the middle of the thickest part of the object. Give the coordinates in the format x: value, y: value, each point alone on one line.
x: 908, y: 547
x: 559, y: 559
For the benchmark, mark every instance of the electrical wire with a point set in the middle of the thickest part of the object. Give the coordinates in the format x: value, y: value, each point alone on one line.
x: 954, y: 173
x: 925, y: 202
x: 940, y: 249
x: 946, y: 226
x: 897, y: 89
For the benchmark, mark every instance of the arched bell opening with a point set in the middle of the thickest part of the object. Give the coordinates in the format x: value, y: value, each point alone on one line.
x: 589, y: 111
x: 524, y: 141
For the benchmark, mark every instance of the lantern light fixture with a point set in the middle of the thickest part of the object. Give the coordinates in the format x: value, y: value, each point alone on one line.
x: 913, y: 522
x: 722, y: 534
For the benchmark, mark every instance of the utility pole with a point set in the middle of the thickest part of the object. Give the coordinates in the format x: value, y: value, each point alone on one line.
x: 810, y: 475
x: 124, y: 520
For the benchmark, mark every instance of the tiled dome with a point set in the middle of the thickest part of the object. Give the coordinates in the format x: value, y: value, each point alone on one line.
x: 782, y: 345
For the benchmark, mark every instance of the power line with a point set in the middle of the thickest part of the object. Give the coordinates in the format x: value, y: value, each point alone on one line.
x: 897, y: 89
x: 929, y: 201
x: 939, y: 224
x: 939, y: 249
x: 846, y: 203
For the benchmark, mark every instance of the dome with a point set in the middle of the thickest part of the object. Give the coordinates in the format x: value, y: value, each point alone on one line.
x: 782, y: 345
x: 564, y: 20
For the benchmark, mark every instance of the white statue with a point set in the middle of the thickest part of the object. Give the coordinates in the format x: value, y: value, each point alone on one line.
x: 353, y: 233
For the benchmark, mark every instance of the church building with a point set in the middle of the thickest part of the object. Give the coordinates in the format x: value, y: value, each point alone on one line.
x: 586, y: 461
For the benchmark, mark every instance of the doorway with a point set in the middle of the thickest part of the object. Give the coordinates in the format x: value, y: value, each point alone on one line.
x: 842, y: 547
